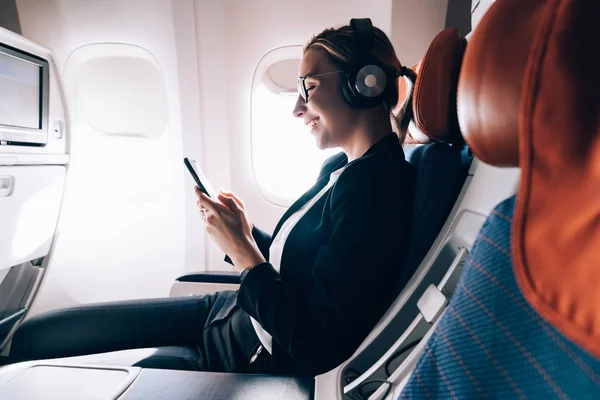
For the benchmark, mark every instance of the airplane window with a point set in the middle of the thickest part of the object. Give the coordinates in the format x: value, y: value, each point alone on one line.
x: 123, y: 96
x: 285, y: 158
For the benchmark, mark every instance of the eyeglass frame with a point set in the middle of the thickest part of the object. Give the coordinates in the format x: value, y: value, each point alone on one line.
x: 301, y: 87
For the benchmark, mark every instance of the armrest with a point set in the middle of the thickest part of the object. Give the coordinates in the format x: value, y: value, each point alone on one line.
x: 232, y: 277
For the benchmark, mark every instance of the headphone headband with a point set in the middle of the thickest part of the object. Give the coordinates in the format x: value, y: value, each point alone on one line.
x: 364, y: 32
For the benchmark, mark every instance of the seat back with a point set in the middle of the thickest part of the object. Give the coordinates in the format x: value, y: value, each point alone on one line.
x: 439, y: 178
x: 440, y: 171
x: 524, y: 320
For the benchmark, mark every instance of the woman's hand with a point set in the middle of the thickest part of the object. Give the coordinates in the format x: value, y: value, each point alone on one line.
x: 227, y: 223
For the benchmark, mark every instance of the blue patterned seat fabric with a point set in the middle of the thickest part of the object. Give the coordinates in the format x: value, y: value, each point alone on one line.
x: 491, y: 343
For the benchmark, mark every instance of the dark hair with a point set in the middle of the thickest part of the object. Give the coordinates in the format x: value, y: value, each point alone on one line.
x: 344, y: 48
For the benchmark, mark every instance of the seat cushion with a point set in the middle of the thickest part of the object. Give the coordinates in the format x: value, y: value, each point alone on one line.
x: 37, y: 379
x: 178, y: 385
x: 169, y: 357
x: 492, y: 343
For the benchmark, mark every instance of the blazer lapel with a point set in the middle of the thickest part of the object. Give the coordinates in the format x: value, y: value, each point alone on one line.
x: 312, y: 192
x: 301, y: 201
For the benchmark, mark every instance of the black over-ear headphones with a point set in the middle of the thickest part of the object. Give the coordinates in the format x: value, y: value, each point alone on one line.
x: 364, y: 84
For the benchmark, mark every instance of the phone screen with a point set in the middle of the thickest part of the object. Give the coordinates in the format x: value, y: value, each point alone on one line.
x: 199, y: 178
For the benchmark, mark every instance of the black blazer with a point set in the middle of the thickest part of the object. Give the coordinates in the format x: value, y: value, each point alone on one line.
x: 339, y: 265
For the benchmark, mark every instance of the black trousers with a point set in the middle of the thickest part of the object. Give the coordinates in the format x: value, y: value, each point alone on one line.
x: 213, y: 325
x: 228, y: 341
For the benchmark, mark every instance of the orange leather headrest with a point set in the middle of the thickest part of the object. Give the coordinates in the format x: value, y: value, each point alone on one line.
x: 529, y: 96
x: 434, y: 96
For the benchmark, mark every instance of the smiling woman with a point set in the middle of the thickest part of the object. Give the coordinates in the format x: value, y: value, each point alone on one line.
x: 281, y: 177
x: 300, y: 287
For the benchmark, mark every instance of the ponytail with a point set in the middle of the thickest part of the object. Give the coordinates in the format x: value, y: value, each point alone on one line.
x: 401, y: 119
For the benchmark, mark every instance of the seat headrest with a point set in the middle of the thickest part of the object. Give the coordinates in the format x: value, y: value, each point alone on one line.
x: 529, y: 96
x: 434, y: 96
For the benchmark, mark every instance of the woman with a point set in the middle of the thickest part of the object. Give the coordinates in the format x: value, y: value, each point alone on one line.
x: 335, y: 256
x: 313, y: 290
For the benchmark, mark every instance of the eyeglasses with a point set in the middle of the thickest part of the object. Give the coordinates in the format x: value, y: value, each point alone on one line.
x: 302, y: 91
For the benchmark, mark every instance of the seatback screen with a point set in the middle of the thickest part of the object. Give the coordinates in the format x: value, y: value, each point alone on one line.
x: 20, y: 93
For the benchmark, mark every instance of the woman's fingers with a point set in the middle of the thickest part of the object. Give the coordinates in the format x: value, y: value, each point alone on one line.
x: 230, y: 203
x: 205, y: 201
x: 239, y: 201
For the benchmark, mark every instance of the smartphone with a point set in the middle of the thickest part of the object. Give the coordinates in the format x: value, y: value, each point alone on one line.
x: 199, y: 178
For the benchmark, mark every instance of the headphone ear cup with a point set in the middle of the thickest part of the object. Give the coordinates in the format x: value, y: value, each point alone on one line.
x: 365, y: 85
x: 371, y: 81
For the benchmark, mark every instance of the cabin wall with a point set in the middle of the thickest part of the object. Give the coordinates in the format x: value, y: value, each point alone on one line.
x: 122, y: 230
x: 414, y: 25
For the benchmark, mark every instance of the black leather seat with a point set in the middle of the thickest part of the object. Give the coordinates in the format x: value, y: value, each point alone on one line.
x: 177, y: 385
x: 167, y: 357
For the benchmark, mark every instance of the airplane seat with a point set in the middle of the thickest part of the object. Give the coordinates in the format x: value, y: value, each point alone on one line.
x: 440, y: 168
x: 524, y: 319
